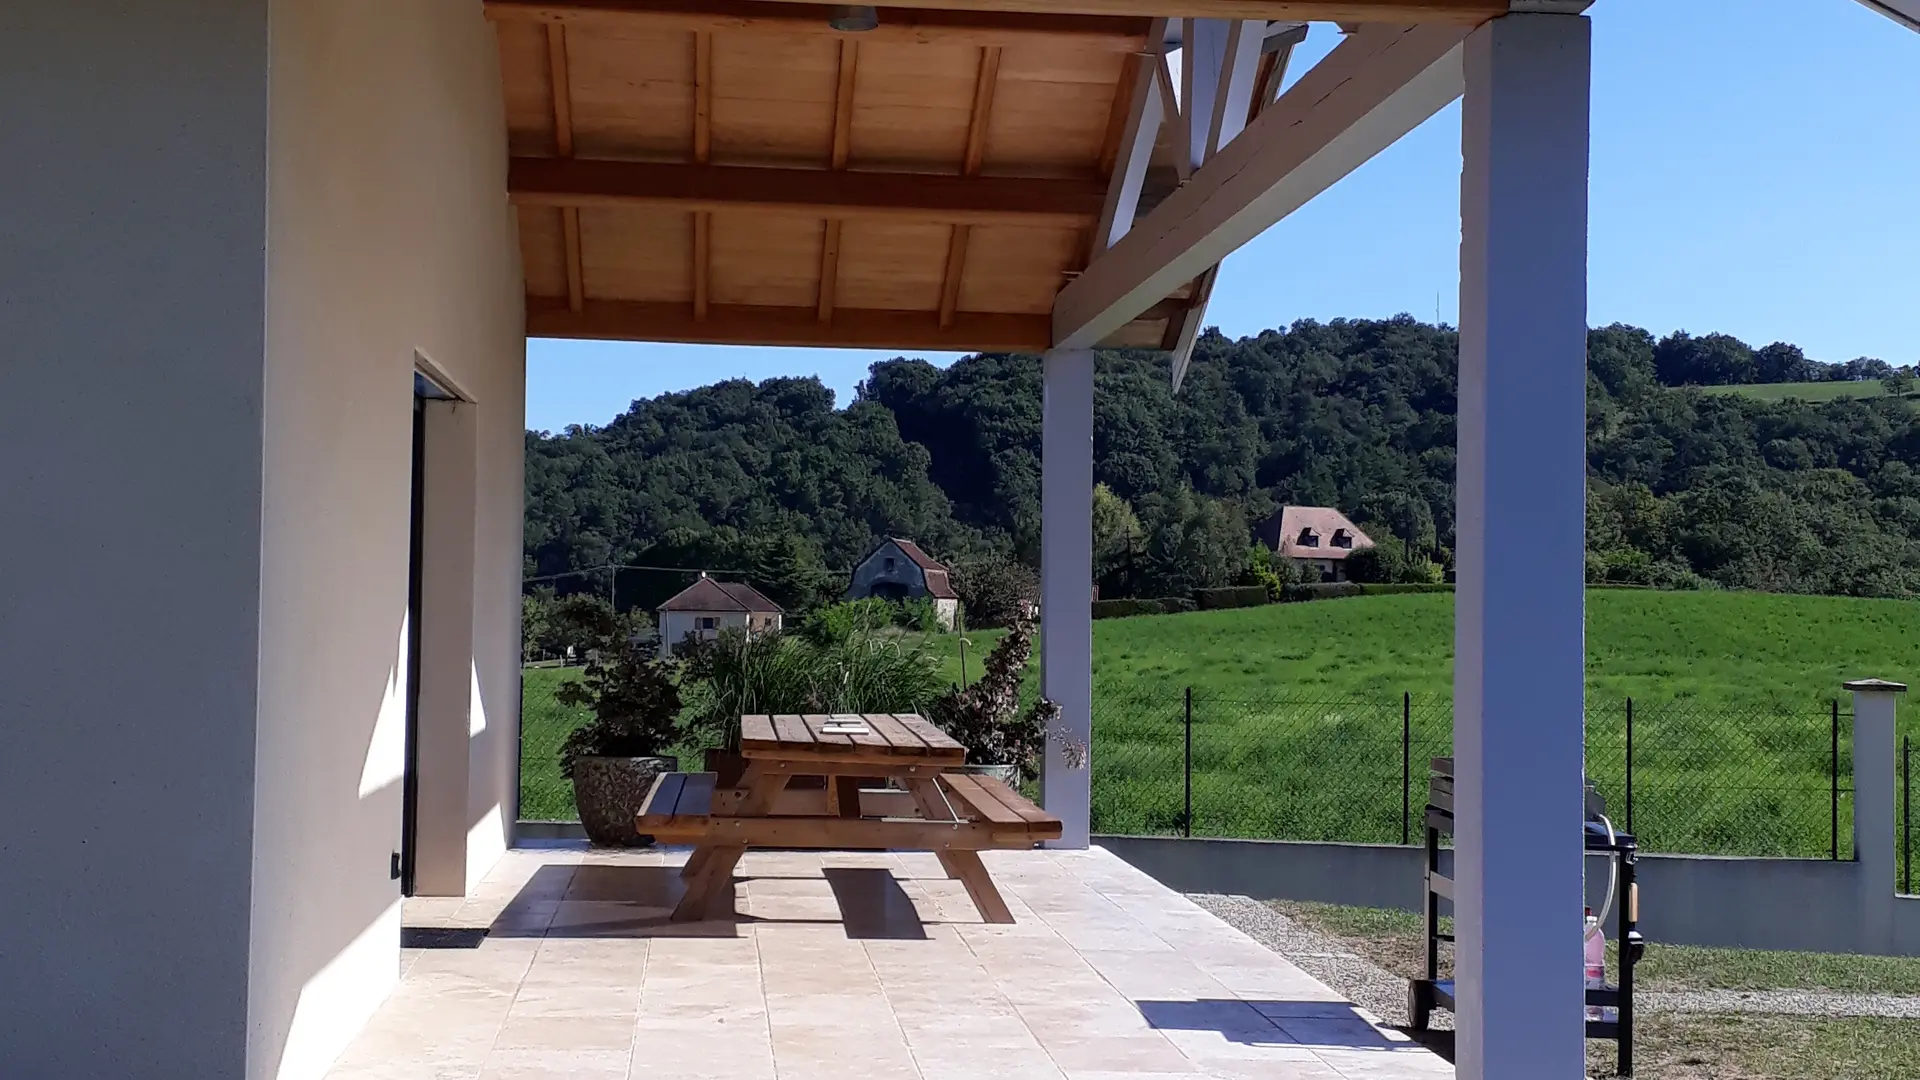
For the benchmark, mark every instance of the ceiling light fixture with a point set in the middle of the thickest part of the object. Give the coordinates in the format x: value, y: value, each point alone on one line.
x: 852, y: 18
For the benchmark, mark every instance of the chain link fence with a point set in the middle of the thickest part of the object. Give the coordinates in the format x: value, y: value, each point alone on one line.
x: 1686, y: 777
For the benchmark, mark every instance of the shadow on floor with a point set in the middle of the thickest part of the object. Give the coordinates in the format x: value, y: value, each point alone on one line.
x: 442, y: 937
x: 1271, y: 1022
x: 592, y: 900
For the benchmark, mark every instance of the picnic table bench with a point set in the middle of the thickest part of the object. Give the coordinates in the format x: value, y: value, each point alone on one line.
x: 891, y: 783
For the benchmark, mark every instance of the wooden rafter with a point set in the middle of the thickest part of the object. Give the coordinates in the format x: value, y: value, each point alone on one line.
x: 1375, y: 87
x: 985, y: 83
x: 897, y: 24
x: 840, y: 154
x: 560, y: 84
x: 1141, y: 112
x: 1458, y: 12
x: 907, y: 197
x: 702, y: 154
x: 748, y: 324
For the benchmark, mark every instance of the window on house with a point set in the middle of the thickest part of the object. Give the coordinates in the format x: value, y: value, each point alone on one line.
x: 707, y: 622
x: 1309, y: 538
x: 1342, y: 538
x: 889, y: 564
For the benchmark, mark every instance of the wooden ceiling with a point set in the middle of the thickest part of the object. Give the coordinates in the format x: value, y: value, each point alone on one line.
x: 736, y: 171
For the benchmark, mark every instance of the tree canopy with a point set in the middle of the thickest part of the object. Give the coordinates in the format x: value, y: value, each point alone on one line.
x: 1685, y: 488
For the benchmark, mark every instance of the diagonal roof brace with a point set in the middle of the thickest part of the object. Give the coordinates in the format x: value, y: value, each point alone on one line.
x: 1376, y: 86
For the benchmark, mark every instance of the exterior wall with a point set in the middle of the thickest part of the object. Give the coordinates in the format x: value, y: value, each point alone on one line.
x: 948, y: 612
x: 133, y: 155
x: 676, y: 625
x: 873, y: 573
x: 1799, y: 904
x: 389, y: 238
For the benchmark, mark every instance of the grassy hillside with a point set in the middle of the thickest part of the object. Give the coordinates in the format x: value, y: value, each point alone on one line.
x: 1803, y: 391
x: 1298, y: 713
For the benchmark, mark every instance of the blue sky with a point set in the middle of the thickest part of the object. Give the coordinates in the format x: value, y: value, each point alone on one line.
x: 1755, y: 171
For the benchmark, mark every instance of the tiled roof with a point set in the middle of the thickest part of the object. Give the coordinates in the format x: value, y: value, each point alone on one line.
x: 1282, y: 532
x: 707, y: 594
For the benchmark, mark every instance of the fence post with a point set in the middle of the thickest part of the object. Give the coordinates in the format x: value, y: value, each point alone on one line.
x: 1186, y: 814
x: 1835, y: 771
x: 1906, y: 814
x: 1630, y: 831
x: 1406, y: 768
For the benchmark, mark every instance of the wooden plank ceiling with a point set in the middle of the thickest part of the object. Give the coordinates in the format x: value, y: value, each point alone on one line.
x: 737, y: 172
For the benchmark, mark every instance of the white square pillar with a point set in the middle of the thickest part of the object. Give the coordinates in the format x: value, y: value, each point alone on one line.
x: 1066, y: 586
x: 1519, y: 623
x: 1874, y: 747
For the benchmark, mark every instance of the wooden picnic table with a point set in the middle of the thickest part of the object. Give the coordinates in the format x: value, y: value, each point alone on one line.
x: 891, y: 782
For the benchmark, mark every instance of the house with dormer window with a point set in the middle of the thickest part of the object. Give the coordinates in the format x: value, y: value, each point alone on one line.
x: 1317, y: 536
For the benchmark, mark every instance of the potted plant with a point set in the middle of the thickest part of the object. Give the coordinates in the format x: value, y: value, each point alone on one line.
x: 613, y: 759
x: 986, y: 718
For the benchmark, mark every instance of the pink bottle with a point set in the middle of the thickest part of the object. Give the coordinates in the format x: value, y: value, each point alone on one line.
x: 1596, y: 949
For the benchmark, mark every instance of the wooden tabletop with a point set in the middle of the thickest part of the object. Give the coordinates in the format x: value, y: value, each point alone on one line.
x: 893, y: 737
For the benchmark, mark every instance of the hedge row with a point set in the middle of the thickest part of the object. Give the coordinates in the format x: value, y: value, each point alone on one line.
x: 1233, y: 596
x: 1120, y: 609
x: 1240, y: 596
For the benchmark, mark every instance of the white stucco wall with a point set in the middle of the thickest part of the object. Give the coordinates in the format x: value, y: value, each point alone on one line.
x: 388, y: 234
x: 676, y: 625
x: 133, y: 165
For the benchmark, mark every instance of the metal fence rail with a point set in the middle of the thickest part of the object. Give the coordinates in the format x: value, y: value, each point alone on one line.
x: 1686, y: 776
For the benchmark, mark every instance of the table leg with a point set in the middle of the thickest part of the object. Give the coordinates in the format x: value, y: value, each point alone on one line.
x: 762, y: 785
x: 710, y: 892
x: 846, y: 792
x: 696, y: 862
x: 966, y: 866
x: 933, y: 805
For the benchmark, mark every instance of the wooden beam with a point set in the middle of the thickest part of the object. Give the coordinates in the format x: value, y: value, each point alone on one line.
x: 1376, y: 86
x: 744, y: 324
x: 1904, y: 12
x: 956, y: 200
x: 1142, y: 109
x: 984, y: 85
x: 842, y: 151
x: 560, y: 85
x: 702, y: 154
x: 1456, y: 12
x: 898, y: 25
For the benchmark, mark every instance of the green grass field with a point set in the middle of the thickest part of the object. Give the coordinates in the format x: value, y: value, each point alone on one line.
x: 1298, y: 712
x: 1804, y: 391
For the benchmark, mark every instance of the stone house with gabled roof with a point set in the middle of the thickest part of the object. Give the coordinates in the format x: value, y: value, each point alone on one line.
x: 1317, y: 536
x: 899, y: 570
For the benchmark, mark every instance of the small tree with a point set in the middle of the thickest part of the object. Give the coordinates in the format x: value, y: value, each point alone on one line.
x: 986, y: 717
x: 995, y: 590
x: 635, y: 705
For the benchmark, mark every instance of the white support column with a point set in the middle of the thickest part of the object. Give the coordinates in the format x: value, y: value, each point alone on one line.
x: 1066, y: 586
x: 1519, y: 622
x: 1874, y: 747
x: 447, y: 553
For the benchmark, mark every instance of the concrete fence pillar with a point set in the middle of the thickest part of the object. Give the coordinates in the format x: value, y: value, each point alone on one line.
x: 1873, y: 807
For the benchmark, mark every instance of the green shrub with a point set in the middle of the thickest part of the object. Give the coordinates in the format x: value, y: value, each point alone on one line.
x: 635, y: 705
x: 1126, y: 608
x: 1325, y: 590
x: 1398, y: 588
x: 1233, y: 596
x: 864, y: 672
x: 1177, y: 605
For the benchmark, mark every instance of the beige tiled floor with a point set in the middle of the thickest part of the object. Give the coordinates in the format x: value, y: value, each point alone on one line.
x: 857, y: 966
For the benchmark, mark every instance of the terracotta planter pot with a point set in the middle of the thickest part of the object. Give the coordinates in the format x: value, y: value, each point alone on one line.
x: 609, y: 792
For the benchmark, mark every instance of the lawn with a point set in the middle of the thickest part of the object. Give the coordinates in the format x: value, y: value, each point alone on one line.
x: 1804, y: 391
x: 1702, y: 1046
x: 1298, y: 711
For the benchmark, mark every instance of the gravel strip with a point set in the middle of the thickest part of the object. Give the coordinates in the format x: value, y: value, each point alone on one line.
x: 1364, y: 982
x: 1384, y: 994
x: 1781, y: 1002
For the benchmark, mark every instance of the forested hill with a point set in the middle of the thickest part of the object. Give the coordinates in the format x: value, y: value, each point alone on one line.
x: 1686, y: 488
